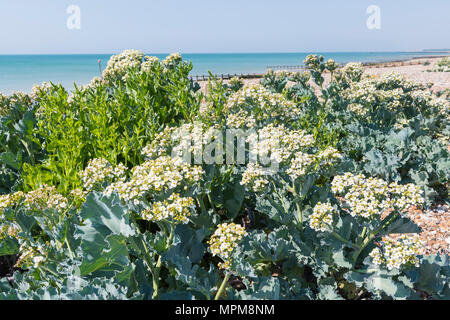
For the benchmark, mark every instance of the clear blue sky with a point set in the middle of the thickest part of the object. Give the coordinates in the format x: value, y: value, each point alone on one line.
x: 190, y: 26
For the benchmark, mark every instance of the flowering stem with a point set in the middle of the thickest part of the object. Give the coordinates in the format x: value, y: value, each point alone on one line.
x: 48, y: 270
x: 222, y: 286
x: 365, y: 271
x: 159, y: 265
x: 279, y: 197
x: 156, y: 278
x: 371, y: 236
x: 201, y: 204
x: 363, y: 233
x: 340, y: 238
x: 297, y: 204
x: 70, y: 249
x: 299, y: 213
x: 147, y: 255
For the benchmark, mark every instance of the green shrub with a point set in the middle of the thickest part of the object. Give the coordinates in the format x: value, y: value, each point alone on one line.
x: 111, y: 118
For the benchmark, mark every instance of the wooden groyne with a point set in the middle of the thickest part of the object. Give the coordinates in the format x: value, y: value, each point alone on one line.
x: 227, y: 76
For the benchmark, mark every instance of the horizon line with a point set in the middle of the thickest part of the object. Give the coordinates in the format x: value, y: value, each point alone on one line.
x: 245, y: 52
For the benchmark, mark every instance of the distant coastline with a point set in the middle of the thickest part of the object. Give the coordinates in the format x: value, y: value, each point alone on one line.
x: 21, y: 72
x: 415, y: 69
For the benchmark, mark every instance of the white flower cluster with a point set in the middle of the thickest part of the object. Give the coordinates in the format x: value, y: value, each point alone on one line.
x: 398, y: 253
x: 313, y: 61
x: 94, y: 83
x: 328, y: 156
x: 394, y: 94
x: 425, y: 97
x: 331, y: 65
x: 100, y: 170
x: 36, y: 90
x: 190, y: 138
x: 370, y: 197
x: 366, y: 91
x: 394, y: 80
x: 224, y: 240
x: 352, y: 71
x: 241, y: 119
x: 44, y: 198
x: 437, y: 68
x: 172, y: 60
x: 236, y: 82
x: 160, y: 144
x: 148, y: 63
x: 176, y: 210
x: 406, y: 196
x: 253, y: 177
x: 31, y: 256
x: 78, y: 195
x: 261, y: 103
x: 300, y: 164
x: 442, y: 65
x: 10, y: 200
x: 281, y: 142
x: 322, y: 217
x: 286, y: 148
x: 119, y: 64
x: 357, y: 109
x: 393, y: 89
x: 9, y: 229
x: 162, y: 174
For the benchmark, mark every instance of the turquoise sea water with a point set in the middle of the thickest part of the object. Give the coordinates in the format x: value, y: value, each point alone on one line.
x: 21, y: 72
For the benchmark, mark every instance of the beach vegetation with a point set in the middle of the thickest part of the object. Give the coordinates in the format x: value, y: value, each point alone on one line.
x: 98, y: 199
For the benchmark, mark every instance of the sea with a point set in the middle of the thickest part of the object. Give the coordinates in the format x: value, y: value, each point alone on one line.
x: 21, y: 72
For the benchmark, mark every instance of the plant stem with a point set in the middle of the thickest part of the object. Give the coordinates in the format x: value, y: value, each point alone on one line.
x: 299, y: 213
x: 222, y: 286
x: 340, y: 238
x: 365, y: 271
x: 70, y: 250
x: 363, y: 233
x: 201, y: 203
x: 49, y: 271
x: 158, y: 266
x: 297, y: 205
x: 156, y: 279
x: 370, y: 237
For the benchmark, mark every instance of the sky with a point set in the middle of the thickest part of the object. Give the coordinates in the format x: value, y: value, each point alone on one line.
x: 226, y: 26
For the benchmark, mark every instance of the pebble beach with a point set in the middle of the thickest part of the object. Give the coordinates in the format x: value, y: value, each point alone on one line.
x: 414, y: 69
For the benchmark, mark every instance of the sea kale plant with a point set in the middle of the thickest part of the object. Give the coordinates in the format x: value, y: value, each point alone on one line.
x: 442, y: 65
x: 139, y: 186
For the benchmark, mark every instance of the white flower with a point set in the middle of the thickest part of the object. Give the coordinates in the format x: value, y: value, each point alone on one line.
x: 224, y: 240
x: 370, y: 197
x: 322, y: 217
x: 300, y: 165
x: 100, y: 170
x: 253, y: 177
x: 398, y: 253
x: 162, y: 174
x: 43, y: 198
x: 176, y: 210
x: 260, y: 103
